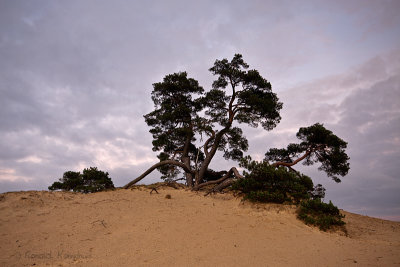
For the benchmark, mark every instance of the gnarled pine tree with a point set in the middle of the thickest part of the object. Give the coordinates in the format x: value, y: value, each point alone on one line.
x: 184, y: 112
x: 318, y: 145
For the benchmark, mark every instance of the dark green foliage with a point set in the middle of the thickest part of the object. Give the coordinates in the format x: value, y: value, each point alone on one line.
x: 173, y: 122
x: 318, y: 192
x: 252, y: 100
x: 328, y: 149
x: 233, y: 144
x: 175, y: 111
x: 265, y: 183
x: 265, y: 196
x: 69, y: 181
x: 284, y: 154
x: 323, y: 215
x: 91, y: 180
x: 96, y: 180
x: 318, y: 145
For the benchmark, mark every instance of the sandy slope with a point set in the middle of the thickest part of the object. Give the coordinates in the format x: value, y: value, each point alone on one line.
x: 134, y: 228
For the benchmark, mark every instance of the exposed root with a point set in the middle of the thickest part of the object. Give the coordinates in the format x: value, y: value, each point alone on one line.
x: 226, y: 181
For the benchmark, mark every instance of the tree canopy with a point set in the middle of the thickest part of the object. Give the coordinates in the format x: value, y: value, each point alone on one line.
x: 184, y: 112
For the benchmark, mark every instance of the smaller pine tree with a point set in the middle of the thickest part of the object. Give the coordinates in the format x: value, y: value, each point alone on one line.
x: 89, y: 181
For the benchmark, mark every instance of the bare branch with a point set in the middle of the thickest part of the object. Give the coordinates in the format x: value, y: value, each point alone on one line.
x: 157, y: 165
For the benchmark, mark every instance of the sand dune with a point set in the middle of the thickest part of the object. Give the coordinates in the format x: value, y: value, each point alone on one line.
x: 135, y: 228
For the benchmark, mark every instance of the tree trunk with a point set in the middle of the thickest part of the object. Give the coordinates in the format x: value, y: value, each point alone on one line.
x: 188, y: 175
x: 209, y: 157
x: 185, y: 157
x: 155, y: 166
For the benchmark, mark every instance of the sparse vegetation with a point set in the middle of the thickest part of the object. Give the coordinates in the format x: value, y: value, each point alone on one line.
x: 89, y: 181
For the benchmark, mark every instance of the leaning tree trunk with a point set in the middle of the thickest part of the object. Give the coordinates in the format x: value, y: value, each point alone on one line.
x: 188, y: 175
x: 157, y: 165
x: 186, y: 159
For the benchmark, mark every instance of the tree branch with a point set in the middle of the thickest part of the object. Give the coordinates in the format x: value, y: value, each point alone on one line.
x: 206, y: 144
x: 289, y: 164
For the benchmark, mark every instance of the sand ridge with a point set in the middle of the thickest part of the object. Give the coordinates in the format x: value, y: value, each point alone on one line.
x: 136, y: 228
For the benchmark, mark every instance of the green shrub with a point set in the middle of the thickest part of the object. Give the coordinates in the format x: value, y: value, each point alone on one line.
x: 265, y: 183
x: 323, y: 215
x: 91, y: 180
x: 264, y: 196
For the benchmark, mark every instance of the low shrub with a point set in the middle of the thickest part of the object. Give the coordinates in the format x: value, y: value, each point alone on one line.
x: 265, y: 183
x: 318, y: 213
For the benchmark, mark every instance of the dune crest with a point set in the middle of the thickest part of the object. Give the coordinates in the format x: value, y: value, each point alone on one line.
x: 135, y: 228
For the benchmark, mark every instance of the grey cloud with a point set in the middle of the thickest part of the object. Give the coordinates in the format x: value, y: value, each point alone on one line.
x: 371, y: 118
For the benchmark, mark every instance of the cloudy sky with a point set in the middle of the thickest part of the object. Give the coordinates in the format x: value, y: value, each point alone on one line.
x: 76, y: 78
